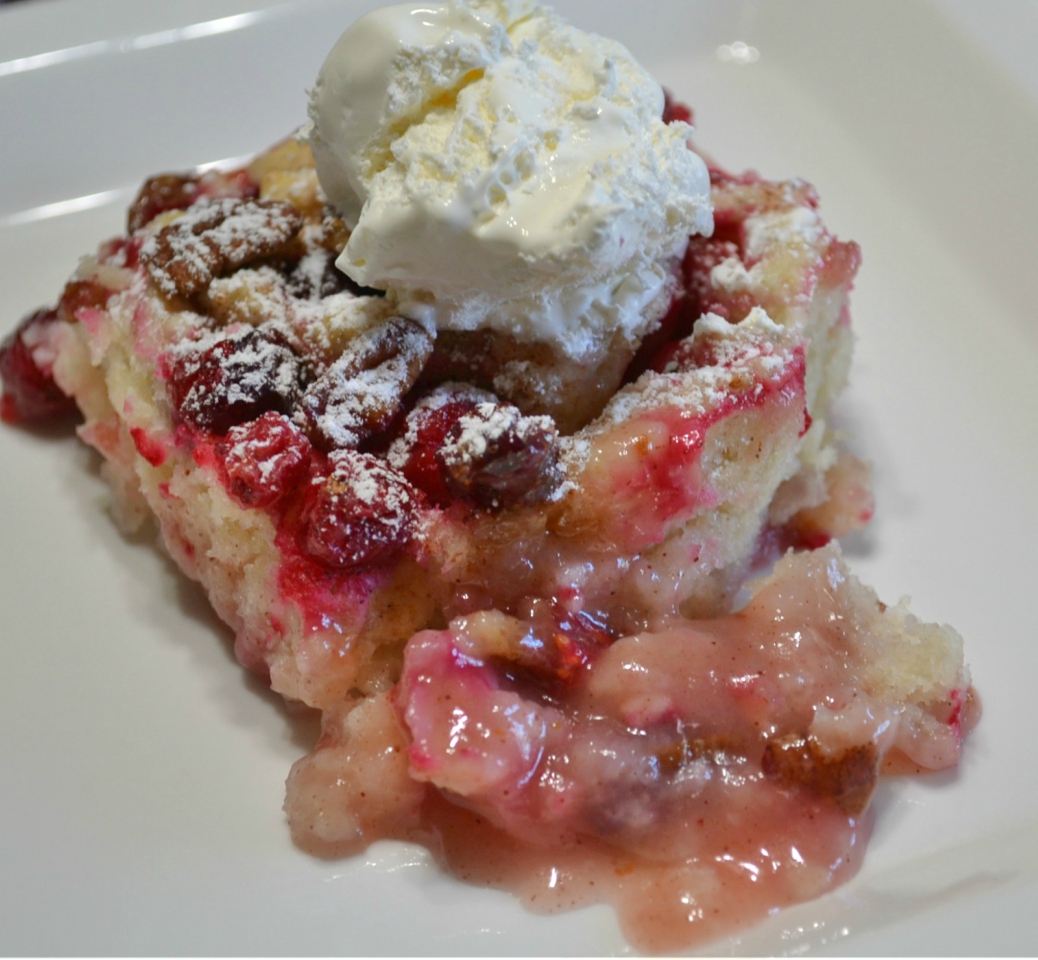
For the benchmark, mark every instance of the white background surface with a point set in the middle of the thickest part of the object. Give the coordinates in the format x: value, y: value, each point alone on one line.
x: 141, y: 772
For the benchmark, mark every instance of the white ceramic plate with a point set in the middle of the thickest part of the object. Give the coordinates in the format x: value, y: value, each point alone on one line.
x: 141, y: 772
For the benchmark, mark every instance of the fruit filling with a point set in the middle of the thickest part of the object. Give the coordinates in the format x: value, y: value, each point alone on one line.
x: 697, y: 776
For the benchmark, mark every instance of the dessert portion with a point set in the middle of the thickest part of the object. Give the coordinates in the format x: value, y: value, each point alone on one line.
x: 473, y: 412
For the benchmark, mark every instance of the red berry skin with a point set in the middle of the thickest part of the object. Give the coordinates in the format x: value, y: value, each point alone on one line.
x: 422, y: 467
x: 152, y: 449
x: 675, y: 110
x: 234, y: 381
x: 360, y: 515
x: 703, y: 254
x: 263, y: 461
x: 513, y: 463
x: 30, y: 394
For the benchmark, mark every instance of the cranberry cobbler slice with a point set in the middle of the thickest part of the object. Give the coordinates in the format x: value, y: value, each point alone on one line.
x: 515, y: 611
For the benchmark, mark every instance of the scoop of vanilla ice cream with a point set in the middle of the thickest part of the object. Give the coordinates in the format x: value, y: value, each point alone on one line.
x: 501, y: 169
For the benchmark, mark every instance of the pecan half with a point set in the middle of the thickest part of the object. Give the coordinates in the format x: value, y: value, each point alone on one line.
x: 167, y: 191
x: 360, y: 393
x: 215, y: 237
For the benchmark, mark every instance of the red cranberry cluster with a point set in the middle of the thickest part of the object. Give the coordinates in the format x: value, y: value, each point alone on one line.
x: 465, y: 444
x: 290, y: 435
x: 30, y: 394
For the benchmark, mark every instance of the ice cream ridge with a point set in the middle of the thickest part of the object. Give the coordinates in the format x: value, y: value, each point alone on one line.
x: 501, y: 169
x: 496, y: 425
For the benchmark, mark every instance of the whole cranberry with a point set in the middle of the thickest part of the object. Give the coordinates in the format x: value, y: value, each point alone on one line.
x: 675, y: 109
x: 497, y: 457
x: 425, y: 431
x: 361, y: 514
x: 263, y: 460
x: 30, y: 394
x: 235, y: 380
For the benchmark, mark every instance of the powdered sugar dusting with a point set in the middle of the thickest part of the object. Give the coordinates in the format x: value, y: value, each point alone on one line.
x: 496, y: 456
x: 731, y: 276
x: 232, y: 376
x: 799, y: 225
x: 719, y: 360
x: 214, y: 237
x: 363, y: 389
x: 355, y: 400
x: 402, y: 448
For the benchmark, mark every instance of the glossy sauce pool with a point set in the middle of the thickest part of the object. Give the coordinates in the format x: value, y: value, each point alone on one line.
x: 664, y: 906
x: 696, y: 777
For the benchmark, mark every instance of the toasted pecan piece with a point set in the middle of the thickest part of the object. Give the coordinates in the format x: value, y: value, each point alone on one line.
x: 167, y: 191
x: 360, y: 393
x: 717, y: 748
x: 178, y: 191
x: 215, y: 237
x: 848, y: 778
